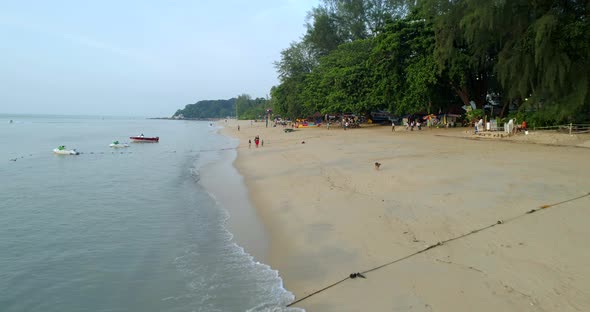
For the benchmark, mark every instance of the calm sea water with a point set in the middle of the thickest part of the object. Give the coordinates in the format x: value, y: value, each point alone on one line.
x: 119, y: 230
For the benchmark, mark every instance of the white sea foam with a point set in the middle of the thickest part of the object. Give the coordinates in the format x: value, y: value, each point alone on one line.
x: 265, y: 282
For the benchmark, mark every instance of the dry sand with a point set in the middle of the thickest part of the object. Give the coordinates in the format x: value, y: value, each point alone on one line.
x: 330, y: 213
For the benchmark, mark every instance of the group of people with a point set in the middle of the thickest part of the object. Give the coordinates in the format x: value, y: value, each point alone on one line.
x: 348, y: 122
x: 413, y: 123
x: 257, y: 141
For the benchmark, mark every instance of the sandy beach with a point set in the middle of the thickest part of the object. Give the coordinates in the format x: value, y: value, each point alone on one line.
x: 330, y: 213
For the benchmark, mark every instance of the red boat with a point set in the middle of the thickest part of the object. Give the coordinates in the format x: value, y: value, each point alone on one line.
x: 142, y: 138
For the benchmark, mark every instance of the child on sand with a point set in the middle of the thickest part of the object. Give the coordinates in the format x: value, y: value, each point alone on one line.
x: 249, y: 143
x: 256, y: 141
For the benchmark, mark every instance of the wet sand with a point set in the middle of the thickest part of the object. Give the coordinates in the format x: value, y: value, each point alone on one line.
x: 224, y: 183
x: 330, y: 213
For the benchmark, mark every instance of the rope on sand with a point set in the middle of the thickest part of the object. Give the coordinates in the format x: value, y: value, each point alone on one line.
x: 499, y: 222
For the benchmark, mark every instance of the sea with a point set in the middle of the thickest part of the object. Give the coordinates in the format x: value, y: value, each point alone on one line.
x: 128, y: 229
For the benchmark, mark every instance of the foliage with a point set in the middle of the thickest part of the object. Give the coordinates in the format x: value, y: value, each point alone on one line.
x: 359, y: 56
x: 248, y: 108
x: 243, y: 105
x: 474, y: 114
x: 413, y: 56
x: 465, y: 56
x: 286, y: 98
x: 296, y: 61
x: 340, y: 82
x: 208, y: 109
x: 403, y: 66
x: 532, y: 49
x: 547, y: 57
x: 322, y: 32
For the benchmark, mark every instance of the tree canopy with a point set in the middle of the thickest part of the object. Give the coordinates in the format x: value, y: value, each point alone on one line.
x: 243, y: 105
x: 208, y: 109
x: 416, y: 56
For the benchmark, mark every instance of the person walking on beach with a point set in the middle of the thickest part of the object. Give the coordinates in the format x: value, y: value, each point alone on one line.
x: 392, y: 126
x: 257, y: 141
x: 238, y: 127
x: 261, y: 143
x: 249, y: 143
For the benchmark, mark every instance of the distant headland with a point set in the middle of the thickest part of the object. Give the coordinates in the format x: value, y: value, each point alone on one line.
x: 243, y: 106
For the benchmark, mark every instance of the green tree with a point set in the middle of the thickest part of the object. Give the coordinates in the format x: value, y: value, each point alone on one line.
x: 335, y: 22
x: 340, y: 82
x: 322, y: 32
x: 287, y: 98
x: 404, y: 70
x: 208, y: 109
x: 530, y: 49
x: 466, y: 57
x: 296, y: 61
x: 546, y: 57
x: 242, y: 104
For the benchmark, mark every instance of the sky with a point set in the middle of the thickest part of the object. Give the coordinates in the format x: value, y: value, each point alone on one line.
x: 140, y: 58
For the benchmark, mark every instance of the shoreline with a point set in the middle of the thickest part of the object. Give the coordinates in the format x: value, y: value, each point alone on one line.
x: 329, y: 213
x: 226, y: 186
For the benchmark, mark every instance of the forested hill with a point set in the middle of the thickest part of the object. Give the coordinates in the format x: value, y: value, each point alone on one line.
x: 244, y: 106
x: 209, y: 109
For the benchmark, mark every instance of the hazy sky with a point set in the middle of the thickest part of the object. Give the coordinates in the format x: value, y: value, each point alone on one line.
x: 144, y: 58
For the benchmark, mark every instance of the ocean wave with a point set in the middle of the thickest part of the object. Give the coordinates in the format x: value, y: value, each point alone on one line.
x: 223, y: 277
x: 221, y: 274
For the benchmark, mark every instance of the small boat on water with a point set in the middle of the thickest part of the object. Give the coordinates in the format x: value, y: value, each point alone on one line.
x: 61, y: 150
x: 117, y: 144
x: 142, y: 138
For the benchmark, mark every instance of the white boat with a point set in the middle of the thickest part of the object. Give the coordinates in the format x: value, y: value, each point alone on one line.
x: 117, y: 144
x: 61, y: 150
